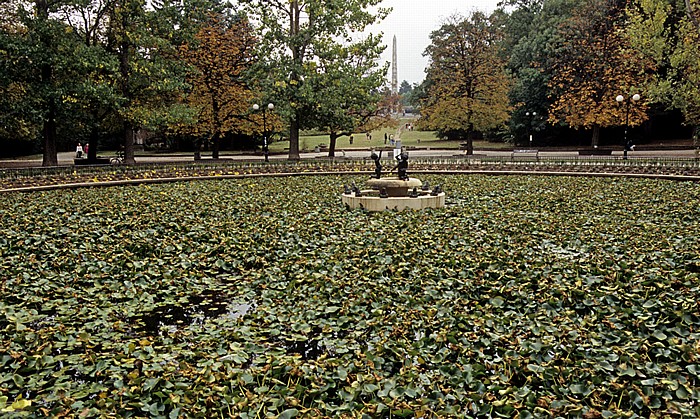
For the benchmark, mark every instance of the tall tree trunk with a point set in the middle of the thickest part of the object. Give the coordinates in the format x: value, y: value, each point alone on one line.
x: 124, y: 71
x: 129, y: 143
x: 334, y: 140
x: 216, y: 140
x: 198, y: 149
x: 94, y: 137
x: 294, y: 137
x: 94, y: 134
x: 470, y: 140
x: 216, y: 135
x: 50, y: 153
x: 297, y: 61
x: 596, y: 136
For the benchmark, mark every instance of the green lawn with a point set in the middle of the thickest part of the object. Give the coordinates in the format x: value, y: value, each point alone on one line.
x: 360, y: 141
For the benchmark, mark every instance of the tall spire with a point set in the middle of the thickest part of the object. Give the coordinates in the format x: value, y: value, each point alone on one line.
x: 394, y: 70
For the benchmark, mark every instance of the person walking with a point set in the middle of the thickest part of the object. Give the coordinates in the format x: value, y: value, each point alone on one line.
x: 79, y: 151
x: 629, y: 146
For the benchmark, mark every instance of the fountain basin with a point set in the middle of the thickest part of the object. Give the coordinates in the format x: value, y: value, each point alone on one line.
x: 394, y: 186
x: 375, y: 203
x: 370, y: 200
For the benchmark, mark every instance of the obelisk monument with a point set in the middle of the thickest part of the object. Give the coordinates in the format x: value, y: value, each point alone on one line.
x: 394, y: 71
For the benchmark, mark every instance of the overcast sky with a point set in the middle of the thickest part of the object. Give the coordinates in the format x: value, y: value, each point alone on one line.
x: 412, y: 21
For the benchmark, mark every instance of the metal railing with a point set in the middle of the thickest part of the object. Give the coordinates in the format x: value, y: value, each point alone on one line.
x: 346, y: 164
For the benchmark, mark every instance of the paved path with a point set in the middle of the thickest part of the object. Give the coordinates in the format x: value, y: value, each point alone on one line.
x: 66, y: 158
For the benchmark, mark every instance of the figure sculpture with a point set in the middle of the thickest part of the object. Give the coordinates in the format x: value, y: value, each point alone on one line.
x: 377, y: 164
x: 402, y: 166
x: 356, y: 190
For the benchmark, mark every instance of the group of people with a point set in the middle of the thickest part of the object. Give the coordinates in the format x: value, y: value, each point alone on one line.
x: 81, y: 151
x: 368, y: 136
x: 389, y: 138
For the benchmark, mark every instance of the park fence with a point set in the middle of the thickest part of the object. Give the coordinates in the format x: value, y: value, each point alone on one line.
x: 63, y: 174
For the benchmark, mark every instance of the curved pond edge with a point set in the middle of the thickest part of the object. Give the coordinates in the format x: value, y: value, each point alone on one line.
x: 148, y: 181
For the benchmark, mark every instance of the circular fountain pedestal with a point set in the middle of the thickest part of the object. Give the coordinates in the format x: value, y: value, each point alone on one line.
x: 398, y: 196
x: 394, y: 186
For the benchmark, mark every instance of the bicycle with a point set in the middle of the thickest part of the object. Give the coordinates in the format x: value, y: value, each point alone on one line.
x: 118, y: 158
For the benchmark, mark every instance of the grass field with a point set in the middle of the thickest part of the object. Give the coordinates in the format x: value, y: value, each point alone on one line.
x: 360, y: 140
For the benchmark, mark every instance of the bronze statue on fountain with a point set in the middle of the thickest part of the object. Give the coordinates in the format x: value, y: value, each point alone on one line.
x: 377, y: 164
x: 402, y: 166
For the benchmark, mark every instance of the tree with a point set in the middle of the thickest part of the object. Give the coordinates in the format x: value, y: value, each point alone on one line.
x: 685, y: 64
x: 530, y: 37
x: 95, y: 97
x: 46, y: 71
x: 666, y: 34
x: 39, y: 58
x: 151, y: 75
x: 405, y: 88
x: 20, y: 119
x: 405, y: 93
x: 418, y: 95
x: 468, y: 84
x: 594, y: 64
x: 294, y: 36
x: 344, y: 92
x: 220, y: 57
x: 693, y: 14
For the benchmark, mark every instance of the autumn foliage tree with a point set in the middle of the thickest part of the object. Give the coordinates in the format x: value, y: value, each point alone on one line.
x: 468, y: 83
x: 220, y: 57
x: 594, y: 64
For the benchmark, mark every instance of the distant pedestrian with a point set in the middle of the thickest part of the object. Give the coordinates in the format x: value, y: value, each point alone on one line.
x: 85, y: 150
x: 629, y: 146
x: 386, y: 138
x: 79, y: 151
x: 351, y: 140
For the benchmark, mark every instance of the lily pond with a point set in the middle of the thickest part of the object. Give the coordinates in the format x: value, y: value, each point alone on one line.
x: 264, y: 297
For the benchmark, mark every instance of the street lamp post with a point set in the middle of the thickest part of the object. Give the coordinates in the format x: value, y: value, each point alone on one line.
x: 632, y: 99
x: 270, y: 107
x: 532, y: 114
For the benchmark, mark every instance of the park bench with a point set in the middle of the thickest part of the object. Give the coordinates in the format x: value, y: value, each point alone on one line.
x: 527, y: 154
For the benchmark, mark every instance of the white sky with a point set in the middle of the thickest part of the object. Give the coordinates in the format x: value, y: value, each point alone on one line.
x: 412, y: 21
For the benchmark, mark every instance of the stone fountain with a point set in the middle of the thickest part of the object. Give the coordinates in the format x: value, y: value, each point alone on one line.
x: 393, y: 193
